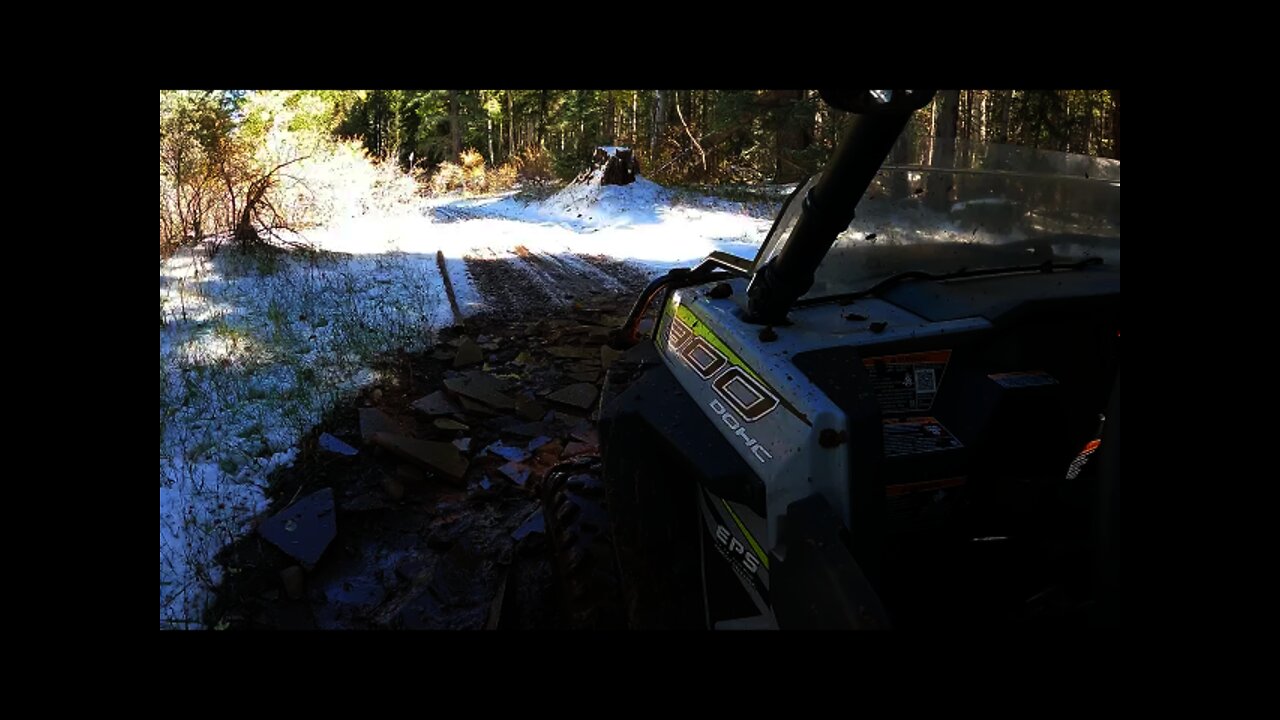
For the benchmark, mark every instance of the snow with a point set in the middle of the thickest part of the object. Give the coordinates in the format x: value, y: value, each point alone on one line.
x: 641, y: 222
x: 251, y: 358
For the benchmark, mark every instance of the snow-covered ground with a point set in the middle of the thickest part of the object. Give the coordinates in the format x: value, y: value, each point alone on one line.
x: 251, y: 357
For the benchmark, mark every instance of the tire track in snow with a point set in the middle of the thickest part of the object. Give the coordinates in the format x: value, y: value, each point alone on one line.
x: 527, y: 283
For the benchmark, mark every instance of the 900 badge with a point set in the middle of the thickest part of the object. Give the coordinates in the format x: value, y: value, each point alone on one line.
x: 742, y: 393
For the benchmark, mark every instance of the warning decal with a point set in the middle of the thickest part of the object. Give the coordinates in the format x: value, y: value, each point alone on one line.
x: 913, y: 436
x: 907, y: 383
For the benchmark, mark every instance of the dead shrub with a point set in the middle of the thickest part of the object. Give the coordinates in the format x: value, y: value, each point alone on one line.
x: 471, y: 176
x: 534, y: 164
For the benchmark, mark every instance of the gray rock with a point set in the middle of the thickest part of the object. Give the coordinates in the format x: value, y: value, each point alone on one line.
x: 365, y: 502
x: 334, y: 445
x: 373, y: 420
x: 580, y: 395
x: 469, y: 353
x: 507, y: 452
x: 447, y: 424
x: 535, y: 524
x: 566, y: 351
x: 517, y: 472
x: 441, y: 458
x: 477, y: 409
x: 578, y: 448
x: 529, y: 430
x: 608, y: 355
x: 437, y: 403
x: 481, y: 387
x: 304, y: 529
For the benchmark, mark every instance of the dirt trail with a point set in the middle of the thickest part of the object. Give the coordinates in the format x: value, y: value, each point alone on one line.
x: 532, y: 283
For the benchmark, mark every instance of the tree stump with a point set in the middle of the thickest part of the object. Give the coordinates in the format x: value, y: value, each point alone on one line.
x: 619, y: 166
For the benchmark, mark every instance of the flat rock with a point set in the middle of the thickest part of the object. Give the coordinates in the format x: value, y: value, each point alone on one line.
x: 373, y: 420
x: 441, y: 458
x: 463, y: 444
x: 518, y: 473
x: 437, y: 403
x: 587, y: 377
x: 507, y: 452
x: 366, y: 502
x: 608, y: 355
x: 535, y: 524
x: 471, y: 407
x: 529, y: 430
x: 548, y: 455
x: 334, y: 445
x: 530, y: 409
x: 501, y: 422
x: 481, y: 387
x: 448, y: 424
x: 585, y: 432
x: 567, y: 351
x: 578, y: 448
x: 304, y: 529
x: 580, y: 395
x: 469, y: 353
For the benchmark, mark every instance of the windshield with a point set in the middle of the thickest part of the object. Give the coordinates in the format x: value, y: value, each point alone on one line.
x: 944, y: 205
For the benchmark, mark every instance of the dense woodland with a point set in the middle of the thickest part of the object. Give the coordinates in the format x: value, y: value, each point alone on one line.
x: 701, y: 135
x: 226, y: 155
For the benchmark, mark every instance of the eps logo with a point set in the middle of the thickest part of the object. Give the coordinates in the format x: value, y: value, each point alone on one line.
x: 735, y: 551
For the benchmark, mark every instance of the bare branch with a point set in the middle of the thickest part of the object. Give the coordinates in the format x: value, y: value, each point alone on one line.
x: 691, y: 137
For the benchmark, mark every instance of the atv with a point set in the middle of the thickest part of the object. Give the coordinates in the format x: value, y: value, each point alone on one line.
x: 885, y: 424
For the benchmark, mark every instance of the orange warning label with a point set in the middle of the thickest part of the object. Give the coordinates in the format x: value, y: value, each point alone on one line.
x: 908, y: 382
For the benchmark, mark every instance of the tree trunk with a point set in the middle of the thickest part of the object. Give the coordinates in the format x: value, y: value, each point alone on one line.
x: 488, y: 132
x: 635, y: 98
x: 511, y: 127
x: 610, y: 127
x: 455, y: 126
x: 542, y: 117
x: 1005, y: 102
x: 943, y: 155
x: 659, y: 125
x: 791, y: 137
x: 1115, y: 123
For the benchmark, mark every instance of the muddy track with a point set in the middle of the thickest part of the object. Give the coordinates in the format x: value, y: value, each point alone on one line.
x: 529, y: 283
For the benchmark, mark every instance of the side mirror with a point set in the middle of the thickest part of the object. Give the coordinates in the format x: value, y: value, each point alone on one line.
x: 877, y: 101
